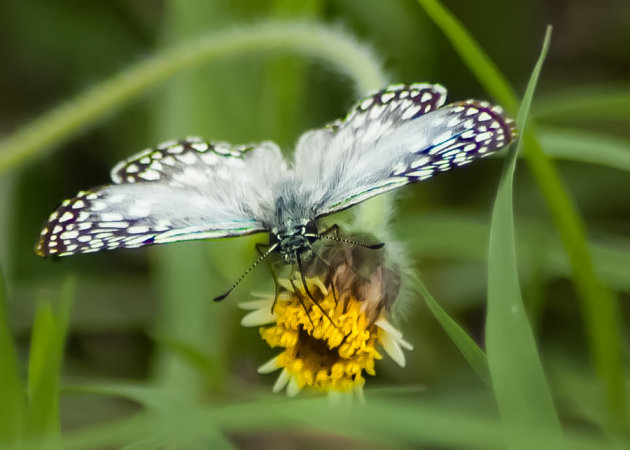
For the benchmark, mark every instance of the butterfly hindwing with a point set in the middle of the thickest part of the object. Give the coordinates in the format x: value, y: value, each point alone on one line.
x: 191, y: 197
x: 397, y: 103
x: 170, y: 160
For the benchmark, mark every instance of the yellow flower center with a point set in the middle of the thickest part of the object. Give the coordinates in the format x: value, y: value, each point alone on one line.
x: 319, y: 353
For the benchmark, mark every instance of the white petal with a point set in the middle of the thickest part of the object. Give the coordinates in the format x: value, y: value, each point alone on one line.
x: 359, y: 393
x: 312, y: 283
x: 404, y: 344
x: 390, y: 345
x: 257, y: 304
x: 297, y: 281
x: 269, y: 366
x: 341, y: 397
x: 334, y: 397
x: 385, y: 325
x: 282, y: 381
x: 317, y: 282
x: 294, y: 387
x: 393, y: 332
x: 258, y: 317
x: 286, y: 284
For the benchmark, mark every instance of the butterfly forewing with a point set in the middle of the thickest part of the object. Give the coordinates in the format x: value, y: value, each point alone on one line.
x: 199, y: 190
x: 390, y: 140
x: 471, y: 130
x: 333, y: 160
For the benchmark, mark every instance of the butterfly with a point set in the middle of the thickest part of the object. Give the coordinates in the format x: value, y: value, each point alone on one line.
x: 194, y: 189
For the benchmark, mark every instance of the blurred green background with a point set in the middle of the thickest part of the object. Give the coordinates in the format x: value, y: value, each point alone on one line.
x: 143, y: 335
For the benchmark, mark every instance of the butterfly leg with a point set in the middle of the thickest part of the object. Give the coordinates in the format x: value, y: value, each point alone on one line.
x: 331, y: 274
x: 301, y: 299
x: 332, y: 284
x: 308, y: 292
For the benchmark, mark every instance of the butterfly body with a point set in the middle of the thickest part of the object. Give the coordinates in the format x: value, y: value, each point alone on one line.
x: 195, y: 189
x: 293, y: 239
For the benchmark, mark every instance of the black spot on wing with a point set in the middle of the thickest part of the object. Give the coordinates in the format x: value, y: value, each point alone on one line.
x: 471, y: 130
x: 87, y: 223
x: 171, y: 157
x: 399, y: 102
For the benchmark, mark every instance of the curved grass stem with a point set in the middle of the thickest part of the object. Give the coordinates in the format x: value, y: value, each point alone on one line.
x: 338, y: 49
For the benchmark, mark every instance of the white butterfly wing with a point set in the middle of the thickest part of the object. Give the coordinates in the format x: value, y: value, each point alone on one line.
x: 181, y: 190
x: 396, y: 136
x: 193, y: 189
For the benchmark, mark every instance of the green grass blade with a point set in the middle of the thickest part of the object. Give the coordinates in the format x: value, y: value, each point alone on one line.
x: 604, y: 102
x: 579, y: 145
x: 43, y: 375
x: 598, y: 306
x: 12, y: 405
x: 148, y: 396
x: 465, y: 344
x: 383, y: 421
x: 518, y: 379
x: 47, y: 349
x: 64, y: 310
x: 461, y: 238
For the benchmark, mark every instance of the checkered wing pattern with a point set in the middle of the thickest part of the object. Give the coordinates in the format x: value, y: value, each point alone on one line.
x: 396, y: 136
x: 180, y: 190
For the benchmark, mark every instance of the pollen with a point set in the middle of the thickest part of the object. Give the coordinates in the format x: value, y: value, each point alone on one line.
x: 328, y: 351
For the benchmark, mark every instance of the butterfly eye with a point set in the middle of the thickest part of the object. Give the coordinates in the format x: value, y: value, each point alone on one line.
x: 310, y: 229
x: 274, y: 239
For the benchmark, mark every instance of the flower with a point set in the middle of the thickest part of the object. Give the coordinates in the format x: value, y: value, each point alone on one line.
x: 331, y: 331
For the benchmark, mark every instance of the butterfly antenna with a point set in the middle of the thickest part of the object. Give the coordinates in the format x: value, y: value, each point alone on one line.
x: 236, y: 283
x: 348, y: 241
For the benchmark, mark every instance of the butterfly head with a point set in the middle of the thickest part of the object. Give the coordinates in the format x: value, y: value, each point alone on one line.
x: 293, y: 238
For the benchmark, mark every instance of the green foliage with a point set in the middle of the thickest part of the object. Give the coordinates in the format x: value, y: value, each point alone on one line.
x: 577, y: 145
x: 518, y: 379
x: 12, y: 406
x: 501, y: 347
x: 50, y: 328
x: 599, y: 306
x: 466, y: 345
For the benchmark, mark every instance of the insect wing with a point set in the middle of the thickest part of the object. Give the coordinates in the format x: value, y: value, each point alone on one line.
x: 399, y: 135
x: 178, y: 191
